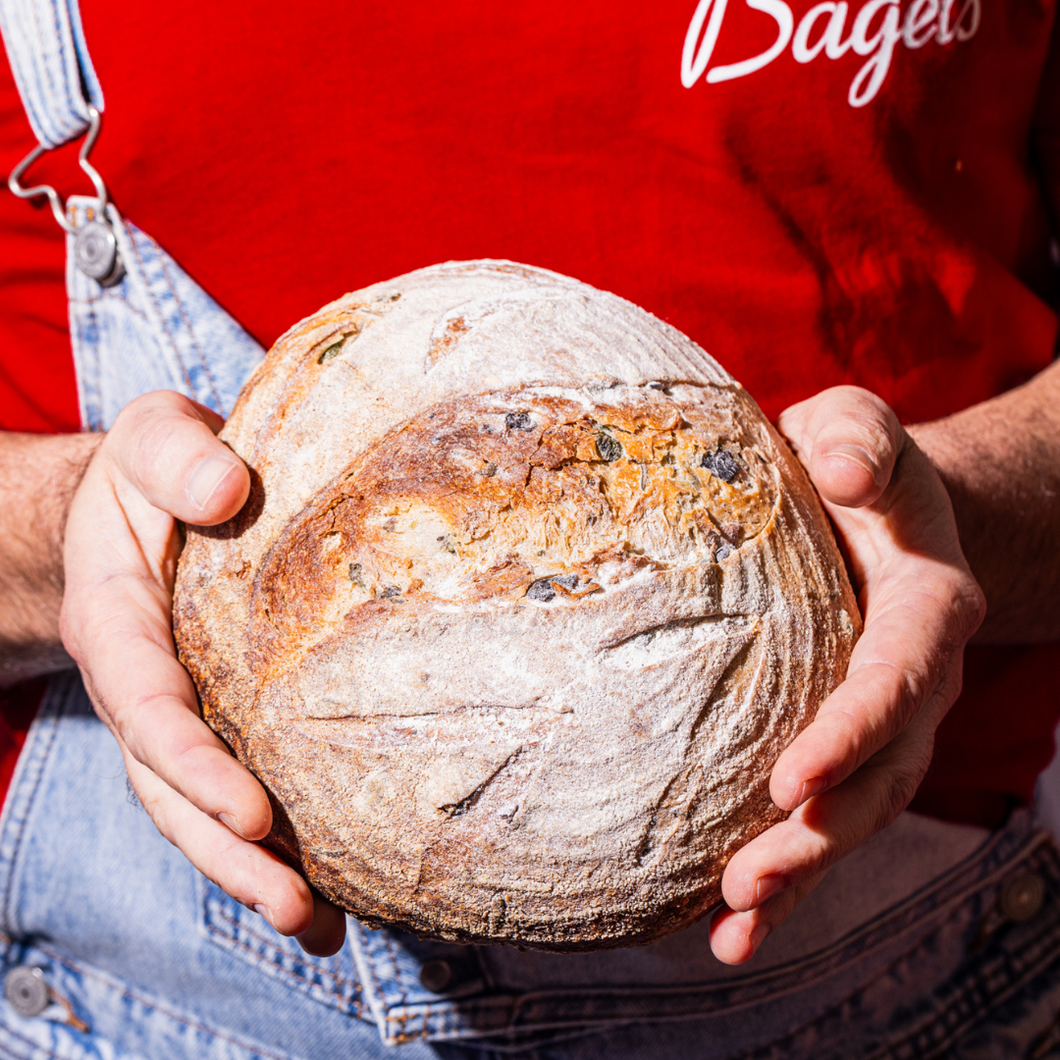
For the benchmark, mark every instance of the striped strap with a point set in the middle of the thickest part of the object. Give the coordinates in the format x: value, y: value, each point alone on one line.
x: 46, y: 47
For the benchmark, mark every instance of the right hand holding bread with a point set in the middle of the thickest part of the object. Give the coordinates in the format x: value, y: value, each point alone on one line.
x: 858, y: 765
x: 160, y: 462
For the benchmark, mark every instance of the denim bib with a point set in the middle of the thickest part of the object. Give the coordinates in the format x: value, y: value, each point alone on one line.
x: 929, y: 938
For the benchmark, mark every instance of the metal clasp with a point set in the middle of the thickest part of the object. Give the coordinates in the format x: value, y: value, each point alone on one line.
x: 95, y: 247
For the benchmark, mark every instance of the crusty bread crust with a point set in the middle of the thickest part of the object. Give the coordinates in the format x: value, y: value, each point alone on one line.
x: 526, y: 601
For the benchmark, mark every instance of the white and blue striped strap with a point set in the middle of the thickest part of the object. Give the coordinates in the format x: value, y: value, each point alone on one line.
x: 46, y: 47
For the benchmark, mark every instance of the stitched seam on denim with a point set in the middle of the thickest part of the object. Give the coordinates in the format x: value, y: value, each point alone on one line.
x: 110, y: 296
x: 901, y: 917
x: 982, y: 998
x: 985, y: 1001
x: 82, y: 375
x: 280, y: 967
x: 402, y: 1020
x: 376, y: 983
x: 448, y: 1026
x: 335, y: 972
x: 187, y: 323
x: 86, y: 70
x: 335, y: 976
x: 63, y: 64
x: 55, y: 126
x: 87, y: 362
x: 161, y: 315
x: 45, y: 86
x: 908, y: 916
x: 11, y: 1032
x: 523, y: 1004
x: 1018, y: 971
x: 522, y: 1007
x: 124, y: 991
x: 105, y: 295
x: 25, y: 75
x: 790, y: 1038
x: 493, y: 1016
x: 48, y: 90
x: 346, y: 1003
x: 499, y: 1014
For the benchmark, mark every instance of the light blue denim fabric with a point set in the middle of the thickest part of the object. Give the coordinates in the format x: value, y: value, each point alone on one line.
x: 155, y: 330
x: 903, y: 951
x: 46, y: 47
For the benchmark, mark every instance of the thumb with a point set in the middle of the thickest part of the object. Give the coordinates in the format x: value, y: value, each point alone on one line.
x: 849, y: 440
x: 166, y: 446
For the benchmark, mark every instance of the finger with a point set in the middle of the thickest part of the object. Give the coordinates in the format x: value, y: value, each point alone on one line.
x: 912, y: 521
x: 166, y: 446
x: 736, y: 935
x: 249, y: 873
x: 830, y: 825
x: 849, y: 440
x: 147, y: 699
x: 328, y: 931
x: 905, y: 656
x: 116, y: 624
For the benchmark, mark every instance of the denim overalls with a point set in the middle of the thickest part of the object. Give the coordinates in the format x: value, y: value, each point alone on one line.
x: 933, y: 939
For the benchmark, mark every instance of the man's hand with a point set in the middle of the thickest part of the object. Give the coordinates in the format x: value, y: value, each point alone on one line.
x: 38, y: 477
x: 858, y: 765
x: 160, y: 462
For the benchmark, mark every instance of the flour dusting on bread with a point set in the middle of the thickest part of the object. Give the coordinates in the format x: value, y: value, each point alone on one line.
x: 527, y: 599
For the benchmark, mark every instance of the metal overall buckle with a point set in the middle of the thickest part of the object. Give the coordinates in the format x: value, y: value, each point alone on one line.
x: 95, y: 247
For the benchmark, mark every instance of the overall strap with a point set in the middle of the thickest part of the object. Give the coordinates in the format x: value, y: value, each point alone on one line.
x: 46, y: 47
x: 138, y: 322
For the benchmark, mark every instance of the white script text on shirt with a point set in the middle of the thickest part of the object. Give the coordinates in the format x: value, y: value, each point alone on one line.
x: 826, y: 23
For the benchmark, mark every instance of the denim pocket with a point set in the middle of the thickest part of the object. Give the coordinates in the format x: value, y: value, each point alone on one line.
x: 246, y: 935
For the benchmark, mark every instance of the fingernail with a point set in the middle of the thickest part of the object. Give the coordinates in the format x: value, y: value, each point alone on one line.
x: 767, y: 886
x: 230, y: 822
x: 861, y: 457
x: 757, y: 937
x: 264, y: 911
x: 206, y: 479
x: 811, y: 787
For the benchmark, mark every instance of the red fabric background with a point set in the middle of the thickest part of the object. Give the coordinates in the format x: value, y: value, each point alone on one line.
x: 37, y: 388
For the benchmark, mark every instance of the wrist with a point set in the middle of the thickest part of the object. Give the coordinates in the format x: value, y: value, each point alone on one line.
x: 1000, y: 464
x: 39, y: 475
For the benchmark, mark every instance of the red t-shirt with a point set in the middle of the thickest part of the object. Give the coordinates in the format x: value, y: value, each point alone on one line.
x: 815, y: 198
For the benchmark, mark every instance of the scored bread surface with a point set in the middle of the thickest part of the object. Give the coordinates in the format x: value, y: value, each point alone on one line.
x: 527, y: 599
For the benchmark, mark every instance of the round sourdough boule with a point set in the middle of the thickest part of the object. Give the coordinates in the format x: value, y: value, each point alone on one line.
x: 526, y: 601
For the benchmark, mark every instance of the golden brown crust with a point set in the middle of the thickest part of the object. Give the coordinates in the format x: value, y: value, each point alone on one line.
x: 515, y: 647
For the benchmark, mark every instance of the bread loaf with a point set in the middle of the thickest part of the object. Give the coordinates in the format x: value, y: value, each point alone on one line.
x: 526, y: 601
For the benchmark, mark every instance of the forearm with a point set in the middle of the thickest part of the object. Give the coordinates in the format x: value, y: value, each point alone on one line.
x: 38, y: 477
x: 1000, y: 461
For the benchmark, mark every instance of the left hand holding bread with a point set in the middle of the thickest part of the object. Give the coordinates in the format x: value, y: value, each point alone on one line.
x: 161, y: 462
